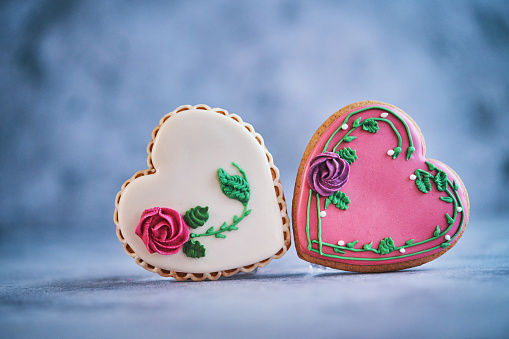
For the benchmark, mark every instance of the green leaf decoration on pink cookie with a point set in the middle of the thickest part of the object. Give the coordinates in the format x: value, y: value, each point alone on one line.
x: 397, y: 152
x: 357, y: 122
x: 349, y: 138
x: 347, y: 154
x: 441, y: 181
x: 447, y: 199
x: 424, y: 184
x: 409, y: 152
x: 386, y: 246
x: 338, y: 199
x: 430, y: 166
x: 235, y: 186
x: 450, y: 220
x: 367, y: 247
x: 437, y: 231
x: 193, y: 249
x: 352, y: 244
x: 409, y: 242
x: 370, y: 125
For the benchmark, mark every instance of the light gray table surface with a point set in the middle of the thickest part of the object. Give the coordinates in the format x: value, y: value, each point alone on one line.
x: 87, y: 287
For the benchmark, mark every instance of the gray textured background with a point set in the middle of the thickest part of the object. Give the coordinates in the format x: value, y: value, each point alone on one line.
x: 83, y: 83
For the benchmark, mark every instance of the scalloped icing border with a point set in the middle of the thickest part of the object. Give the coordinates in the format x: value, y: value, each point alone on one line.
x: 278, y: 188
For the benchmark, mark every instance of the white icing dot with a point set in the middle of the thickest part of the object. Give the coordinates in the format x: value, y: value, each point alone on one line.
x: 341, y: 243
x: 344, y: 127
x: 402, y: 250
x: 459, y: 209
x: 323, y: 214
x: 412, y: 177
x: 390, y: 152
x: 447, y: 237
x: 384, y: 115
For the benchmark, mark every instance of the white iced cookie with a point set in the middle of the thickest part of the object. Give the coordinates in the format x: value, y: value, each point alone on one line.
x: 210, y: 203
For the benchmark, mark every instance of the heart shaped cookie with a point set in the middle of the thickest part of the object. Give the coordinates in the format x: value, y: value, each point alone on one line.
x: 367, y: 200
x: 210, y: 203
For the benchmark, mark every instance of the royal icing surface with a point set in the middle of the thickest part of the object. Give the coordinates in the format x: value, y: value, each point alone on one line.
x: 395, y: 205
x: 215, y: 174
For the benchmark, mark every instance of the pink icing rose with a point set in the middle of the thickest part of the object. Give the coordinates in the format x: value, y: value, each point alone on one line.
x: 327, y: 173
x: 163, y: 230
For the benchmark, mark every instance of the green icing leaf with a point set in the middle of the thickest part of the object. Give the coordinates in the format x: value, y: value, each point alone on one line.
x: 409, y: 242
x: 219, y: 235
x: 430, y: 166
x: 352, y: 244
x: 234, y: 186
x: 409, y: 152
x: 368, y: 247
x: 427, y: 183
x: 338, y: 199
x: 386, y: 246
x: 424, y: 184
x: 397, y: 152
x: 450, y: 220
x: 196, y: 216
x: 437, y: 231
x: 455, y: 185
x: 357, y: 122
x: 445, y: 244
x: 446, y: 199
x: 194, y: 249
x: 210, y: 230
x: 370, y: 125
x: 349, y: 138
x: 441, y: 181
x: 347, y: 154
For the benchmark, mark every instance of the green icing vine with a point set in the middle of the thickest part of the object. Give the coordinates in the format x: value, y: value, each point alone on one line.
x: 224, y: 227
x: 372, y: 127
x: 320, y: 243
x: 387, y: 244
x: 307, y: 219
x: 357, y: 123
x: 347, y: 154
x: 234, y: 187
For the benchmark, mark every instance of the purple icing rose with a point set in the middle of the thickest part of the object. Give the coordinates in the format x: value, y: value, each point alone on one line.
x: 162, y: 230
x: 327, y: 173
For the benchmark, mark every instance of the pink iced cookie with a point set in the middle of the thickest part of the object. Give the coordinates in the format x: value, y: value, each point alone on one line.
x: 367, y: 200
